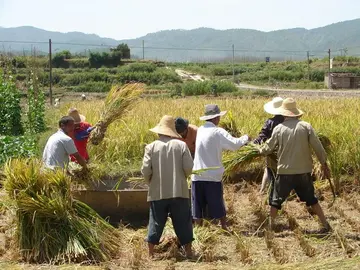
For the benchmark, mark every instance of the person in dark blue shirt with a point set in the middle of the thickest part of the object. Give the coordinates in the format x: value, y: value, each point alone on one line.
x: 264, y: 135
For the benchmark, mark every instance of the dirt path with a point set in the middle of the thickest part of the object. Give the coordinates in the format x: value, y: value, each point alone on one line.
x: 303, y: 92
x: 185, y: 75
x: 324, y: 93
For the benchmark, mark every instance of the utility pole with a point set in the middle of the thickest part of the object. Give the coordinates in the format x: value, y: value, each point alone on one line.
x: 329, y: 52
x: 233, y: 60
x: 143, y: 49
x: 308, y: 63
x: 329, y: 77
x: 50, y: 74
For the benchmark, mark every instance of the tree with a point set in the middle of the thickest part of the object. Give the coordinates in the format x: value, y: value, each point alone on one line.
x: 59, y: 60
x: 123, y: 49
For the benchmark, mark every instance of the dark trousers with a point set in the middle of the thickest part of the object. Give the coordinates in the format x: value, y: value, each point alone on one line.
x: 179, y: 211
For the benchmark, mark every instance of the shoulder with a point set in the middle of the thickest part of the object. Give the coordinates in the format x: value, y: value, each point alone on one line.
x: 61, y: 136
x: 193, y: 127
x: 85, y: 124
x: 277, y: 128
x: 305, y: 124
x: 178, y: 143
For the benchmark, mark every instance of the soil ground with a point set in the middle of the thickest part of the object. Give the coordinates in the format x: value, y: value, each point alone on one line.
x: 295, y: 243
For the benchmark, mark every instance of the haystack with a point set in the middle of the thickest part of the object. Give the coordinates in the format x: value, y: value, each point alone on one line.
x: 51, y: 226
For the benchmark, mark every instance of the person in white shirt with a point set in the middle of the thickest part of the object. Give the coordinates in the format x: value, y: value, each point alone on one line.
x: 207, y: 188
x: 60, y: 146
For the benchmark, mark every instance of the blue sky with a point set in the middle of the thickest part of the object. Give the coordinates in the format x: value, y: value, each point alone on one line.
x: 121, y: 19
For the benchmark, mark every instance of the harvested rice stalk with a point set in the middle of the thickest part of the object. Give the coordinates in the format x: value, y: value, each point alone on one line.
x: 278, y: 252
x: 235, y: 161
x: 119, y: 101
x: 243, y: 248
x: 309, y: 250
x: 343, y: 243
x: 230, y: 126
x: 51, y: 226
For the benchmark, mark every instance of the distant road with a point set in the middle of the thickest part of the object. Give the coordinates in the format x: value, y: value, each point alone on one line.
x: 303, y: 92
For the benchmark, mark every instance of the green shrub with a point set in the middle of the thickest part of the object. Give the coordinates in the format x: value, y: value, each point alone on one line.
x: 16, y: 147
x: 207, y: 87
x: 10, y: 109
x: 79, y: 63
x: 140, y: 67
x: 36, y: 107
x: 93, y: 87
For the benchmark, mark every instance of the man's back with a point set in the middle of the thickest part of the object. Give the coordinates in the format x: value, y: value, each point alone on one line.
x: 295, y: 139
x: 190, y: 139
x: 57, y: 150
x: 211, y: 141
x: 167, y: 163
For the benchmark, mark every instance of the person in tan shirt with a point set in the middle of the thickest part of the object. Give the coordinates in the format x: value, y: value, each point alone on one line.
x: 188, y: 133
x: 166, y: 165
x: 294, y: 140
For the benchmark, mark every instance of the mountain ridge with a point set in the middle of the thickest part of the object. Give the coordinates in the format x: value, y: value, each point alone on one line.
x: 190, y: 45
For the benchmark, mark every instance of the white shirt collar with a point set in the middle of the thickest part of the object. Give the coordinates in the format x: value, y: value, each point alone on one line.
x: 209, y: 124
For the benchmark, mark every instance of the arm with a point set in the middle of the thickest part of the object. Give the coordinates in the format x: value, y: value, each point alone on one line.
x: 264, y: 134
x: 270, y: 144
x: 146, y: 168
x: 228, y: 142
x: 80, y: 160
x: 317, y: 146
x: 70, y: 149
x: 87, y: 128
x: 188, y: 162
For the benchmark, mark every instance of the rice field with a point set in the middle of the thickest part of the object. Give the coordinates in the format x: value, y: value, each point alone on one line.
x: 293, y: 244
x: 123, y: 146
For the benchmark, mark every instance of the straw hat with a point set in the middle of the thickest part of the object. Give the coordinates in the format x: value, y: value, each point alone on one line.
x: 74, y: 113
x: 272, y: 106
x: 289, y: 108
x: 166, y: 127
x: 212, y: 111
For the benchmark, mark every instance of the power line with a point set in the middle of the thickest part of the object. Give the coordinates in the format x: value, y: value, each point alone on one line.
x: 164, y: 48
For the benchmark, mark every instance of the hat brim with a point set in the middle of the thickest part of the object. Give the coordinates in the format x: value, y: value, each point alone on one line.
x: 269, y: 108
x: 208, y: 117
x: 165, y: 131
x: 290, y: 113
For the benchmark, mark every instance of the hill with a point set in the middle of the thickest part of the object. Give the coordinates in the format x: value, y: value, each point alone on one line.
x: 180, y: 45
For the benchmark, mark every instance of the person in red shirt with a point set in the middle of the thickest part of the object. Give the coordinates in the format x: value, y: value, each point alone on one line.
x: 81, y: 133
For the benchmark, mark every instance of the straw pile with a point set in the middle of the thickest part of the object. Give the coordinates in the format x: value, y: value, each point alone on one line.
x: 119, y: 101
x: 51, y: 226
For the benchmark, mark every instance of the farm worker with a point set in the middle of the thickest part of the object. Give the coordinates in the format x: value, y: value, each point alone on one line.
x: 81, y: 133
x: 188, y: 133
x: 264, y: 135
x: 60, y: 145
x: 293, y: 140
x: 166, y: 165
x: 207, y: 188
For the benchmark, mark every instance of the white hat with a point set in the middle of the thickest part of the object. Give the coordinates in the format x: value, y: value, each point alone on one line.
x: 272, y: 106
x: 212, y: 111
x: 289, y: 108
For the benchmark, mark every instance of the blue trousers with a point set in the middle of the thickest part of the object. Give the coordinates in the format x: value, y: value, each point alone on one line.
x: 179, y: 211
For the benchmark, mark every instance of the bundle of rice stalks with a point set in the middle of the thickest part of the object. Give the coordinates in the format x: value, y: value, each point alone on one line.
x: 119, y: 101
x: 230, y: 126
x: 235, y: 161
x: 51, y: 226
